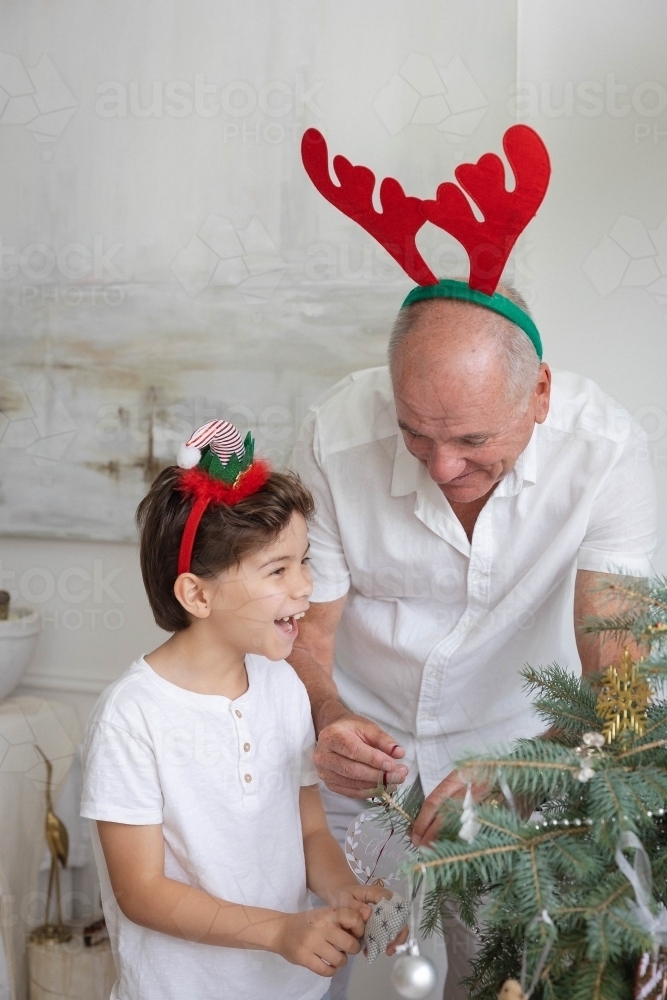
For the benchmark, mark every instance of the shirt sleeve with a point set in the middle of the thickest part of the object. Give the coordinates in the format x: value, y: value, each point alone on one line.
x: 120, y: 780
x: 621, y: 532
x: 331, y: 574
x: 308, y: 772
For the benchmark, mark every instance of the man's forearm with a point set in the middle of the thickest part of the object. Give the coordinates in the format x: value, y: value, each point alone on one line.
x: 313, y: 658
x: 325, y: 702
x: 592, y: 598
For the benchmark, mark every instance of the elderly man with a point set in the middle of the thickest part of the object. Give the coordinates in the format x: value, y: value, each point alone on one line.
x: 468, y: 505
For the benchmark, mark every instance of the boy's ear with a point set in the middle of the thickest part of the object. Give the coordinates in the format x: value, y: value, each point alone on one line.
x: 190, y: 591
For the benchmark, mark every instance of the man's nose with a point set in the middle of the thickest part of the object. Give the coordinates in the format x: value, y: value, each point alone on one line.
x: 443, y: 465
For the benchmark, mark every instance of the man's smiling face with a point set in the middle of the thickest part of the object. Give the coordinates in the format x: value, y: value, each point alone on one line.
x: 454, y: 402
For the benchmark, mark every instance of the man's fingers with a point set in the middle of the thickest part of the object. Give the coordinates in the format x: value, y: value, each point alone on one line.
x: 350, y: 793
x: 377, y: 737
x: 359, y: 739
x: 346, y: 767
x: 349, y: 747
x: 361, y: 775
x: 431, y: 832
x: 399, y: 939
x: 423, y: 821
x: 452, y: 786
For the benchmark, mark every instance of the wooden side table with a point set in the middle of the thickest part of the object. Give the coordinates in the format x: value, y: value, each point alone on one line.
x: 70, y: 971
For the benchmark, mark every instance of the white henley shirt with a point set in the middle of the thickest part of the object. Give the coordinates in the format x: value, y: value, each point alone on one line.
x: 223, y: 778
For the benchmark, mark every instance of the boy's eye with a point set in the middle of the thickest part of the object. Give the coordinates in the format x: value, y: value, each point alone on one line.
x: 306, y: 559
x: 279, y: 571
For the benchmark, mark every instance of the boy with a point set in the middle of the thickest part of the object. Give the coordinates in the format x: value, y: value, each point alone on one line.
x: 209, y: 826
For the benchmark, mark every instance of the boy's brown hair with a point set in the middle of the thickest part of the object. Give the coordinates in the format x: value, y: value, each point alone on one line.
x: 224, y: 537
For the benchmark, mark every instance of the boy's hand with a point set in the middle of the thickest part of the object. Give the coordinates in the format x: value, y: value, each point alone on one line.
x: 357, y: 897
x: 320, y: 940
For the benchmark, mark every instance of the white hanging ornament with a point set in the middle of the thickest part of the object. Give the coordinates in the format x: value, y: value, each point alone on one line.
x: 413, y: 975
x: 470, y: 827
x: 376, y: 850
x: 592, y: 744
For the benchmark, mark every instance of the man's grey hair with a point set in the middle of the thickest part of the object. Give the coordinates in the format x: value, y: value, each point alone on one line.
x: 522, y: 365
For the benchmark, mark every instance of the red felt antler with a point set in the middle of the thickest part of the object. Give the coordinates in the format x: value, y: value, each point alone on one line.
x: 395, y: 227
x: 506, y: 213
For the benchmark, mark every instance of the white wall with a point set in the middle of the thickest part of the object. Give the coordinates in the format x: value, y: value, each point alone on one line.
x: 135, y: 339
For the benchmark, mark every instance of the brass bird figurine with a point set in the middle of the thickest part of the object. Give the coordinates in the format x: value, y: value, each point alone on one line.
x: 57, y: 840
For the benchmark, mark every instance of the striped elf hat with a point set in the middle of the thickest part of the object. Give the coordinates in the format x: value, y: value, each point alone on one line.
x: 218, y: 468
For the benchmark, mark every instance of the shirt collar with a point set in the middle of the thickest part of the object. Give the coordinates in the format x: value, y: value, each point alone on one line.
x: 409, y: 475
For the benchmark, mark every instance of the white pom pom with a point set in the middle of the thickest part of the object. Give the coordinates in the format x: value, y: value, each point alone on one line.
x: 187, y: 458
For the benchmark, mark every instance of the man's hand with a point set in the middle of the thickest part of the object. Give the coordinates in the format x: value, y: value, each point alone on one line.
x: 354, y: 756
x: 320, y: 940
x: 400, y: 938
x: 427, y: 823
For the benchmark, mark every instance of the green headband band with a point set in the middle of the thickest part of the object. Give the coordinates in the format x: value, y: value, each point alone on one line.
x: 450, y: 288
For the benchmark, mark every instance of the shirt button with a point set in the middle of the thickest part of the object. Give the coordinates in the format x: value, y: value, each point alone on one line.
x: 433, y: 673
x: 246, y: 747
x: 247, y: 778
x: 236, y: 712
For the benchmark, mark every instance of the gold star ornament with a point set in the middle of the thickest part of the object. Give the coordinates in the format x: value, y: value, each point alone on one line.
x: 623, y: 700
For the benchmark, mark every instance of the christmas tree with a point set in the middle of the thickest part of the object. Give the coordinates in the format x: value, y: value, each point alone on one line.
x: 561, y: 863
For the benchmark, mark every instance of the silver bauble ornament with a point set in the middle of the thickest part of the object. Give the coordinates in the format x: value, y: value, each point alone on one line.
x: 413, y: 976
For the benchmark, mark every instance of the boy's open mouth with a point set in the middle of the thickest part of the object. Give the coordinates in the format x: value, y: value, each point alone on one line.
x: 288, y: 624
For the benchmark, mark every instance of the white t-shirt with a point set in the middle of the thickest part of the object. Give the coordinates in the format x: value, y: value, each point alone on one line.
x: 223, y: 779
x: 436, y: 628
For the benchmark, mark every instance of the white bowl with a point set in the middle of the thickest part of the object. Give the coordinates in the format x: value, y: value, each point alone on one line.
x: 18, y: 635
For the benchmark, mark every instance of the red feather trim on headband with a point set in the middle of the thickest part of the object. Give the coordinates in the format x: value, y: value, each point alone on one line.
x: 200, y: 485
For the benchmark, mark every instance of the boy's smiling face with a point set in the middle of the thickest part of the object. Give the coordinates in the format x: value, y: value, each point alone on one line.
x: 255, y: 607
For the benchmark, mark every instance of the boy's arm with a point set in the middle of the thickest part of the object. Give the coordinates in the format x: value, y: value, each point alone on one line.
x: 327, y: 872
x: 316, y: 939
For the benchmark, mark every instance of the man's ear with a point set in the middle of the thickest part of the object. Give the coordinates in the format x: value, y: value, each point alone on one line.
x: 542, y: 394
x: 191, y: 592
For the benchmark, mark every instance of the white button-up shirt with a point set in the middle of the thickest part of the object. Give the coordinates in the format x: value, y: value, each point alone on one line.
x: 437, y: 628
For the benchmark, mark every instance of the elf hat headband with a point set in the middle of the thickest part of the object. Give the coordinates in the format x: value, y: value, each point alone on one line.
x: 488, y: 243
x: 218, y: 468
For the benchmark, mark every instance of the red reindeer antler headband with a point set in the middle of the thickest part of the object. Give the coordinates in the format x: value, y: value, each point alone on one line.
x: 219, y: 468
x: 488, y: 243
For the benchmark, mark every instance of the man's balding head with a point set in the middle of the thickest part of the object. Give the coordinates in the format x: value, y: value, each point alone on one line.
x: 446, y: 325
x: 469, y: 388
